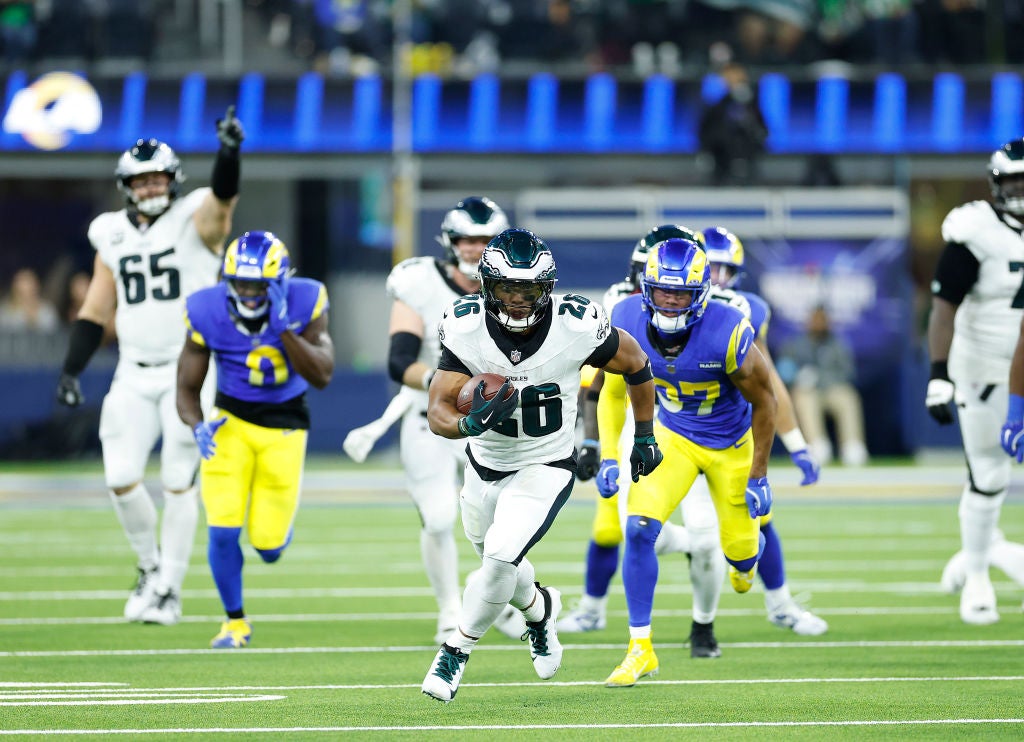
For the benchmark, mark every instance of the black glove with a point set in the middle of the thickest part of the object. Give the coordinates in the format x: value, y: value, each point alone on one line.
x: 229, y: 129
x: 646, y: 455
x: 485, y: 414
x: 69, y: 391
x: 589, y: 460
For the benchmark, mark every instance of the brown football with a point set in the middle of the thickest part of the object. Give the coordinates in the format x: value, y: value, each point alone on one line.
x: 492, y: 383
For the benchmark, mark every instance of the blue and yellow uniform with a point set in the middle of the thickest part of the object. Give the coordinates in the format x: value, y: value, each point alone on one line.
x: 703, y: 421
x: 255, y: 477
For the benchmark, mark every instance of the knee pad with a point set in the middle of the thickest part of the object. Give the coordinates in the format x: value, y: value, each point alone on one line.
x: 497, y: 580
x: 745, y: 565
x: 642, y: 530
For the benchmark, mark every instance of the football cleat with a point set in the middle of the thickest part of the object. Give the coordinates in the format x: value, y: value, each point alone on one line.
x: 545, y: 649
x: 580, y: 621
x: 702, y: 641
x: 978, y: 600
x: 234, y: 634
x: 142, y: 595
x: 165, y: 609
x: 741, y: 581
x: 511, y: 622
x: 442, y: 681
x: 790, y: 615
x: 640, y: 661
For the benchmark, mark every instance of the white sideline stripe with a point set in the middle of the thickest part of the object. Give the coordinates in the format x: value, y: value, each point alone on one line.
x: 144, y: 701
x: 62, y: 685
x: 431, y: 615
x: 500, y: 727
x: 795, y: 644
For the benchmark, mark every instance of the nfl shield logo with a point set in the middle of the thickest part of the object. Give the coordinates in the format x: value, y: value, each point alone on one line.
x: 515, y: 356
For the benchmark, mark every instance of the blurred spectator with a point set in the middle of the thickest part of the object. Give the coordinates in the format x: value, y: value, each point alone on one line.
x: 350, y: 37
x: 819, y: 369
x: 126, y: 28
x: 733, y: 130
x: 892, y: 31
x: 65, y: 28
x: 954, y: 31
x: 17, y: 30
x: 25, y: 308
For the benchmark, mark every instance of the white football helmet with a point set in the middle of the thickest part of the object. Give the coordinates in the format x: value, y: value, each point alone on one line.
x: 1006, y: 177
x: 475, y: 216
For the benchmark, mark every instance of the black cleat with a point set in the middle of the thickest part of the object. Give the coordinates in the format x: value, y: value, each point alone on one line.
x: 702, y: 640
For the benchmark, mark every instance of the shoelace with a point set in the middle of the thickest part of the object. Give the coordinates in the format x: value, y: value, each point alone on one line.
x: 538, y: 638
x: 140, y: 583
x: 447, y: 666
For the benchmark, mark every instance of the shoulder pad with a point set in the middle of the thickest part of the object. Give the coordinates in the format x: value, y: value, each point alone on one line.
x: 407, y: 276
x: 464, y: 316
x: 963, y: 222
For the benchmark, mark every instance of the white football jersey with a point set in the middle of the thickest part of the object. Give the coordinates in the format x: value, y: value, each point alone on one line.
x: 616, y: 293
x: 988, y: 320
x: 424, y: 285
x: 154, y: 269
x: 546, y: 372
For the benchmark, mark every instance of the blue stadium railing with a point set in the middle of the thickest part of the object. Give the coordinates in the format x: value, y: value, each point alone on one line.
x: 947, y: 113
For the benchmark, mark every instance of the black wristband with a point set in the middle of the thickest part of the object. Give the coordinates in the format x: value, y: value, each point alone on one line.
x: 939, y: 371
x: 226, y: 173
x: 642, y: 429
x: 592, y: 396
x: 86, y: 337
x: 640, y: 377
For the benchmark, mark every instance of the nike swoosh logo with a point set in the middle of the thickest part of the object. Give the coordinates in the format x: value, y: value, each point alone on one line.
x: 743, y: 347
x: 741, y: 444
x: 485, y: 420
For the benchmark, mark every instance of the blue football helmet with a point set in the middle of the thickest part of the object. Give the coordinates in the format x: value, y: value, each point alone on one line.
x: 517, y: 262
x: 149, y: 156
x: 475, y: 216
x: 681, y: 267
x: 638, y: 260
x: 725, y: 253
x: 250, y: 263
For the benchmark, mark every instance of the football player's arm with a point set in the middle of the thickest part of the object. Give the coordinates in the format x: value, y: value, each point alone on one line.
x: 591, y: 395
x: 632, y: 363
x: 406, y: 330
x: 312, y: 352
x: 213, y: 217
x: 1017, y: 365
x: 753, y: 379
x: 442, y: 414
x: 611, y: 415
x: 955, y: 275
x: 87, y: 332
x: 193, y: 363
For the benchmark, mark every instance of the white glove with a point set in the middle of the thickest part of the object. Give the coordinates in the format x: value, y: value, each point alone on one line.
x: 938, y: 398
x: 359, y: 442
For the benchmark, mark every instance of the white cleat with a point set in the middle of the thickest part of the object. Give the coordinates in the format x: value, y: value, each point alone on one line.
x: 445, y: 674
x: 801, y: 621
x: 579, y: 621
x: 164, y: 610
x: 954, y: 574
x: 511, y: 623
x: 545, y: 649
x: 142, y: 595
x: 978, y: 601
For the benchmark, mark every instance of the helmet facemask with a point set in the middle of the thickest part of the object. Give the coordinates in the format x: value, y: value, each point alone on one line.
x: 675, y: 285
x: 517, y: 305
x: 475, y: 216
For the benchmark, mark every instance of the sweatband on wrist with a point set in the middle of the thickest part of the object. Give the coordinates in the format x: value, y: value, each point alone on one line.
x: 793, y: 440
x: 86, y: 337
x: 427, y: 376
x: 592, y: 396
x: 1015, y: 409
x: 464, y: 428
x: 640, y: 377
x: 226, y: 174
x: 643, y: 429
x: 939, y: 371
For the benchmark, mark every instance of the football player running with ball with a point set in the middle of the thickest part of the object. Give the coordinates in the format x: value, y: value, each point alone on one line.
x: 267, y: 333
x: 522, y: 459
x: 150, y: 256
x: 716, y: 416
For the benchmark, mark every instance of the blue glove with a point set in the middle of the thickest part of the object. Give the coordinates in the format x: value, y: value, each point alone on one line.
x: 589, y: 460
x: 1013, y: 429
x: 204, y: 433
x: 277, y: 294
x: 488, y: 413
x: 607, y: 479
x: 645, y: 456
x: 759, y: 497
x: 807, y: 465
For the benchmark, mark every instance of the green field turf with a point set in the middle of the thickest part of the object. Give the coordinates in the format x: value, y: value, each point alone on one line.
x: 344, y: 628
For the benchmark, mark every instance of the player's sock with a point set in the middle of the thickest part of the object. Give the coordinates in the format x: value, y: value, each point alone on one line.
x: 177, y: 533
x: 592, y: 604
x: 602, y: 562
x: 137, y: 513
x: 640, y: 568
x: 774, y: 598
x: 979, y: 515
x: 640, y: 632
x: 526, y: 587
x: 486, y: 594
x: 707, y: 574
x: 1009, y: 557
x: 441, y: 560
x: 226, y: 560
x: 771, y: 567
x: 673, y: 539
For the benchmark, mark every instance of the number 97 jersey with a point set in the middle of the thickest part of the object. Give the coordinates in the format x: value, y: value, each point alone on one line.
x: 544, y: 366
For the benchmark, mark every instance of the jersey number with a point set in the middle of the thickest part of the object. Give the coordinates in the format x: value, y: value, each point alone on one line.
x: 542, y: 412
x: 1018, y: 299
x: 697, y: 398
x: 466, y: 305
x: 134, y: 280
x: 576, y: 311
x: 278, y: 366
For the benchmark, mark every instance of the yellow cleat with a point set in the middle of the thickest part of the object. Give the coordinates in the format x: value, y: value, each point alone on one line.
x: 640, y: 661
x: 741, y: 581
x: 234, y: 633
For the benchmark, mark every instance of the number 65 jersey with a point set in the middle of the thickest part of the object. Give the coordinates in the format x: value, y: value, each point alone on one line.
x: 544, y: 366
x: 154, y: 270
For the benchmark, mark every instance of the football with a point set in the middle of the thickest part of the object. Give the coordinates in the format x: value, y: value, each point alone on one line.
x: 492, y: 383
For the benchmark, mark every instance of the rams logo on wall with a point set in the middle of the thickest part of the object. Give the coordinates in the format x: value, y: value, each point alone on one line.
x: 52, y: 109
